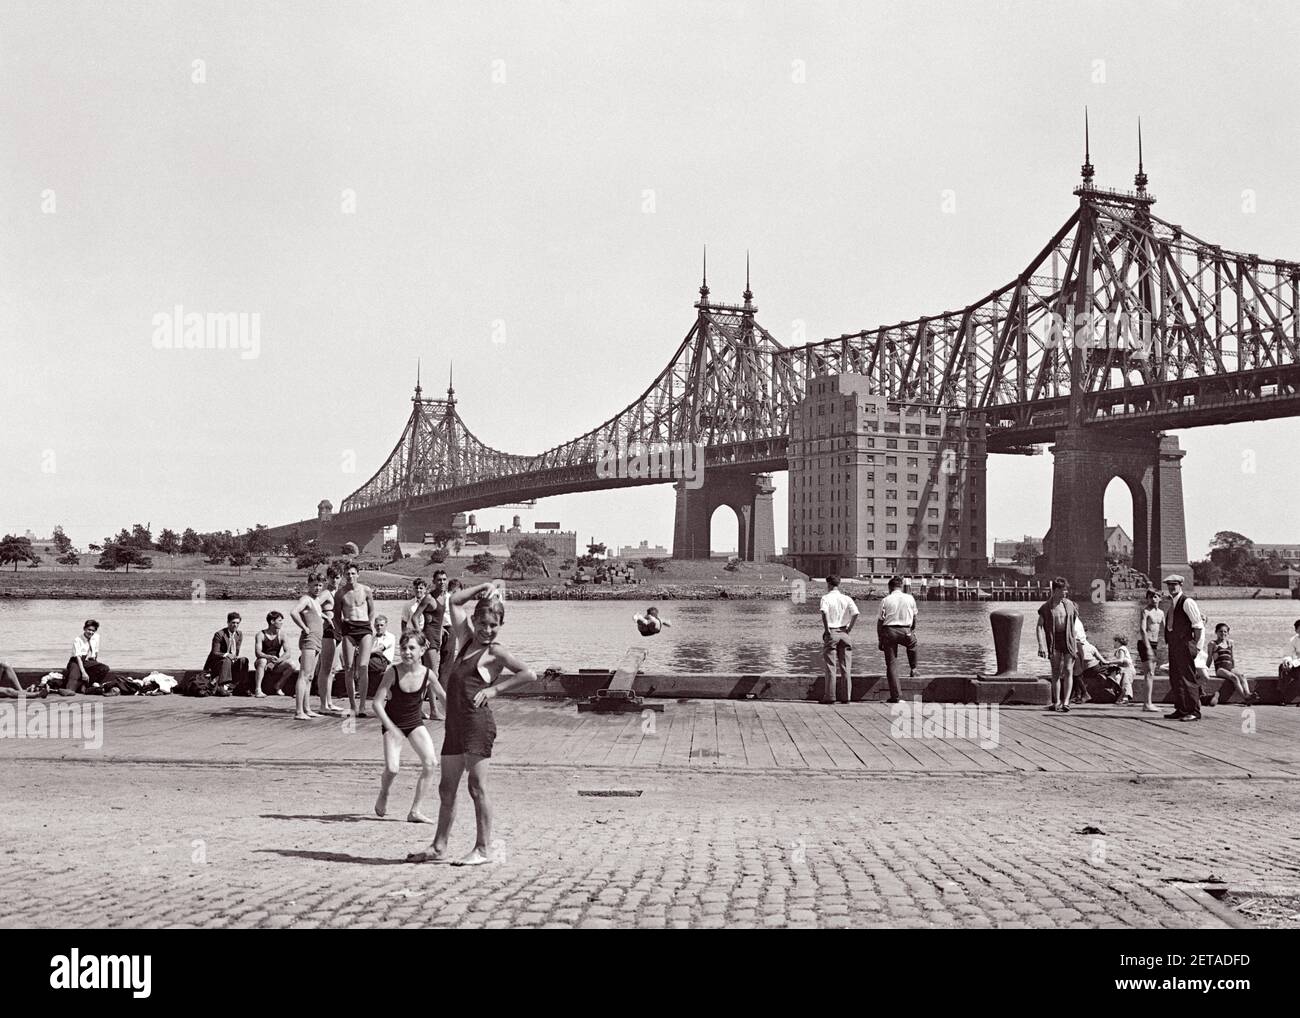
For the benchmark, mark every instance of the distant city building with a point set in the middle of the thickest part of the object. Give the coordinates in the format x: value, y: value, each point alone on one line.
x: 1286, y: 552
x: 879, y: 487
x: 563, y: 542
x: 1004, y: 550
x: 643, y: 550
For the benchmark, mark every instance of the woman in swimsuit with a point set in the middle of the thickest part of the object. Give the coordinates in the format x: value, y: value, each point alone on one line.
x: 401, y: 719
x: 473, y: 679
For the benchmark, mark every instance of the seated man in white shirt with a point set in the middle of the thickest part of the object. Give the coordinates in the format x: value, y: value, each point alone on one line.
x: 1288, y: 672
x: 383, y: 652
x: 896, y: 628
x: 838, y: 615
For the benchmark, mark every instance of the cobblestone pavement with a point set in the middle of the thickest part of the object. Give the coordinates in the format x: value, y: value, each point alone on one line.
x: 120, y: 845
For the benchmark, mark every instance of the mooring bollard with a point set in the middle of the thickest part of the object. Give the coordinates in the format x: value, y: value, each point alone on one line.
x: 1006, y: 640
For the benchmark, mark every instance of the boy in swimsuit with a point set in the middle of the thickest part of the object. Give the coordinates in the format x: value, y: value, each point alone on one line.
x: 446, y: 628
x: 271, y: 656
x: 650, y: 624
x: 329, y: 646
x: 474, y: 679
x: 356, y: 604
x: 307, y: 616
x: 400, y: 716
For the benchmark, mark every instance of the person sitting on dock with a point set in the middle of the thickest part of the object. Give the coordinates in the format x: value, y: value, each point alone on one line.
x: 1124, y: 659
x: 1225, y: 667
x: 1288, y: 672
x: 650, y: 624
x: 224, y: 662
x: 1057, y: 641
x: 896, y: 627
x: 839, y: 612
x: 271, y: 657
x: 84, y: 671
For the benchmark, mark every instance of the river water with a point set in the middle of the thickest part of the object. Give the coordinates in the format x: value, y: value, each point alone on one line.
x: 705, y: 636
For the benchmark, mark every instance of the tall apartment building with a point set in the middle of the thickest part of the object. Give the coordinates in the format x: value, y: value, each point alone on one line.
x: 881, y: 488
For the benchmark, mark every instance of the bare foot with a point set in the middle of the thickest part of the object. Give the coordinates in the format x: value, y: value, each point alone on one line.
x: 313, y: 714
x: 428, y: 856
x: 476, y: 858
x: 416, y: 817
x: 381, y: 804
x: 305, y: 717
x: 260, y: 696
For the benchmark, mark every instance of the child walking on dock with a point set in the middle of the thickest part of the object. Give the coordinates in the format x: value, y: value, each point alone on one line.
x: 397, y: 705
x: 475, y: 677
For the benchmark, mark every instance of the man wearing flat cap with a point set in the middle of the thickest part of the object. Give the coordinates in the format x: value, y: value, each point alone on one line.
x: 1183, y: 630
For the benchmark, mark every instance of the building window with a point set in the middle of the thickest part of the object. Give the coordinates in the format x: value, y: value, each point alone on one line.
x: 891, y: 510
x: 871, y: 443
x: 911, y: 461
x: 891, y: 494
x: 933, y: 528
x: 911, y: 478
x: 913, y: 445
x: 891, y: 443
x: 891, y: 546
x: 891, y: 461
x: 932, y: 446
x: 974, y: 547
x: 891, y: 528
x: 932, y: 429
x: 911, y: 496
x: 891, y: 477
x: 912, y: 429
x: 932, y: 512
x: 891, y: 427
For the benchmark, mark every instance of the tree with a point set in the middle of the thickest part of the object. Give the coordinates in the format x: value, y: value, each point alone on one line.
x: 168, y: 543
x: 258, y: 540
x: 69, y: 559
x: 190, y: 542
x: 1206, y: 574
x: 587, y: 561
x: 16, y: 549
x: 443, y: 537
x: 141, y: 537
x: 539, y: 549
x: 652, y: 564
x: 262, y: 562
x: 481, y: 563
x: 310, y: 559
x: 520, y: 561
x: 215, y: 548
x: 32, y: 562
x: 295, y: 545
x: 437, y: 555
x: 239, y: 559
x: 594, y: 550
x: 115, y: 554
x: 62, y: 542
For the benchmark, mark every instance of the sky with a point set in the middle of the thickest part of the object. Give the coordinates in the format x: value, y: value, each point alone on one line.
x: 524, y: 189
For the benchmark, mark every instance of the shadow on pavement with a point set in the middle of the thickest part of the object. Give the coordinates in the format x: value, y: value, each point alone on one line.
x: 328, y: 818
x: 333, y: 857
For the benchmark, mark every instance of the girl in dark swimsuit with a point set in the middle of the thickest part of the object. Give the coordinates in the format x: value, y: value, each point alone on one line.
x: 402, y: 722
x: 473, y: 679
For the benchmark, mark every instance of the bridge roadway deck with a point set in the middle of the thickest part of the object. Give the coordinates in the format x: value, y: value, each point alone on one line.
x: 705, y: 736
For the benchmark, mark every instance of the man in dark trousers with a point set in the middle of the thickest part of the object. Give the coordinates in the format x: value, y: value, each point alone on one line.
x: 896, y: 627
x: 1183, y: 631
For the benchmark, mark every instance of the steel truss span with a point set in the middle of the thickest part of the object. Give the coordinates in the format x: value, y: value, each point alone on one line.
x: 1121, y: 320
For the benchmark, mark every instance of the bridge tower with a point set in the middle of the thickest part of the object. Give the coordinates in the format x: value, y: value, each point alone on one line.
x: 748, y: 493
x: 1087, y: 458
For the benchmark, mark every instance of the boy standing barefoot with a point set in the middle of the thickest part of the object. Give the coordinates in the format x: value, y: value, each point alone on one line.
x: 473, y: 679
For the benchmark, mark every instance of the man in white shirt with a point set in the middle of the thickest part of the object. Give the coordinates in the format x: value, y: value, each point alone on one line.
x: 838, y: 615
x: 896, y: 628
x: 84, y: 667
x: 383, y: 652
x: 408, y: 612
x: 1288, y: 672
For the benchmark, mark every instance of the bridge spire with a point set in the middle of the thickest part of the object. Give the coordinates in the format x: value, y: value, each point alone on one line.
x: 748, y: 294
x: 704, y: 281
x: 451, y: 388
x: 1140, y: 178
x: 418, y: 390
x: 1087, y: 170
